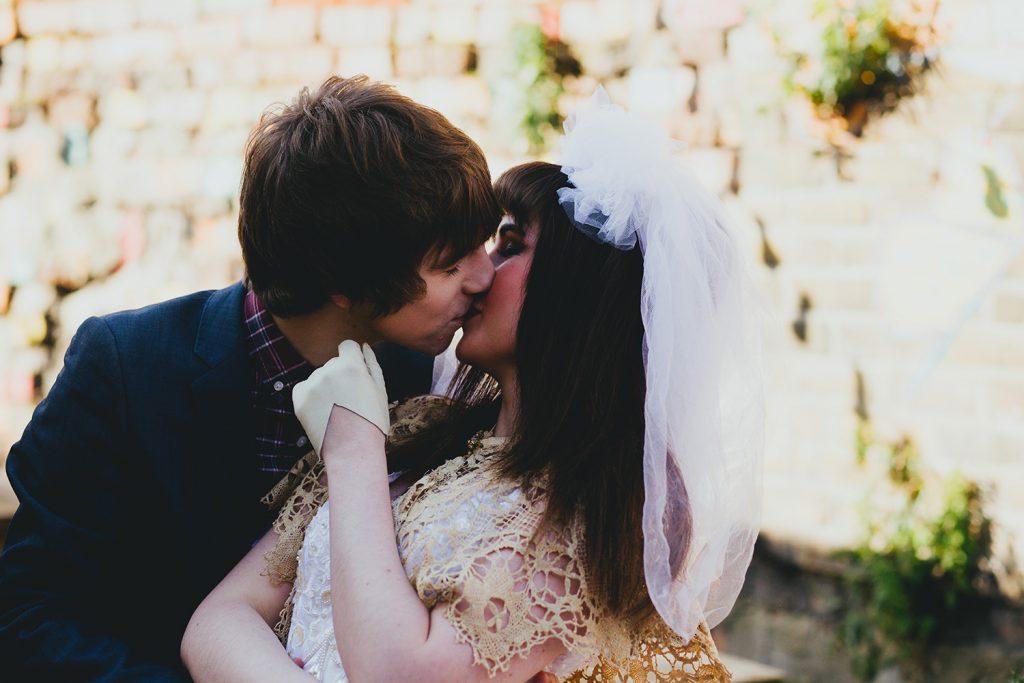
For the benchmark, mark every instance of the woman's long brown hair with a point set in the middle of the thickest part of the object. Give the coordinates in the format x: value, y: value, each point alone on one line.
x: 581, y: 383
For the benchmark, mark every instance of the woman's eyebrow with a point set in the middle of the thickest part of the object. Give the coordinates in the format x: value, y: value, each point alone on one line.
x: 509, y: 226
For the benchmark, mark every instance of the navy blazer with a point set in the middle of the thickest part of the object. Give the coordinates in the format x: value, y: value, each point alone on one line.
x: 139, y: 490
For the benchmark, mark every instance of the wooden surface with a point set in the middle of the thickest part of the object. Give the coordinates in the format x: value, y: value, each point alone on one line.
x: 748, y: 671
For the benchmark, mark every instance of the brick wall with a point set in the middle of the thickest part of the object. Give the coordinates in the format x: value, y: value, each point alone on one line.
x: 122, y: 125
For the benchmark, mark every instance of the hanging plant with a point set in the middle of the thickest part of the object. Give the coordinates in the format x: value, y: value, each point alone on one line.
x: 542, y: 61
x: 869, y: 57
x: 918, y: 568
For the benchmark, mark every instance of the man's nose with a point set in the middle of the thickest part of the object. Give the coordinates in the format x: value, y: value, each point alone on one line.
x: 482, y: 273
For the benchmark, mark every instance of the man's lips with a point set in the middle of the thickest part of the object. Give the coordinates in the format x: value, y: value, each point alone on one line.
x: 471, y: 313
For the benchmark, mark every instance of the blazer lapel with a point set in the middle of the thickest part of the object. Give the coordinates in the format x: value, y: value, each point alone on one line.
x: 225, y: 513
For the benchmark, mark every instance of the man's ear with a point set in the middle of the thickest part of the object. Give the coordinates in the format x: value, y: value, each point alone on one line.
x: 342, y: 302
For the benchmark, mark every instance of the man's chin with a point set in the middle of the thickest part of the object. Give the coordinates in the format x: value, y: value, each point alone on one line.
x: 433, y: 347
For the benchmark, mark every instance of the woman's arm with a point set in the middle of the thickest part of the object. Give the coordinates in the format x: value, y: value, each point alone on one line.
x: 384, y: 631
x: 230, y: 636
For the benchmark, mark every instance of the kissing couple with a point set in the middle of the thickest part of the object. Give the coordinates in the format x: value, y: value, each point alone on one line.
x: 291, y: 480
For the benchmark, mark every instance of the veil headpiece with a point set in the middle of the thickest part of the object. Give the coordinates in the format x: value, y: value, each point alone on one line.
x: 704, y: 403
x: 703, y: 409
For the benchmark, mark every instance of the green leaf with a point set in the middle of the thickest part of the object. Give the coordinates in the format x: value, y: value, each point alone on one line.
x: 995, y: 199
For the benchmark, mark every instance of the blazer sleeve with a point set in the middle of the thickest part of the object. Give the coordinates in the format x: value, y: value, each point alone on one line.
x: 67, y: 541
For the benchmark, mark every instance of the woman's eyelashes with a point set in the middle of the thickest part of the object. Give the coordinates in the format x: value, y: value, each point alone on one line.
x: 509, y: 247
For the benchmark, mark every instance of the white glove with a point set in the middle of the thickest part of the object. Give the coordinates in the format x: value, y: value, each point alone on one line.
x: 354, y: 381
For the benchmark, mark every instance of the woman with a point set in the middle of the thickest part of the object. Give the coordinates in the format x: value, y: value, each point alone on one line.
x: 578, y: 505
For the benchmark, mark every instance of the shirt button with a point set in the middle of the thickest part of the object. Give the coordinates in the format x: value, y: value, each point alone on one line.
x: 302, y: 441
x: 278, y: 385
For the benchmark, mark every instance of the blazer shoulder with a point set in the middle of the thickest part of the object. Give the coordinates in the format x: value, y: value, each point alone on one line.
x: 175, y: 322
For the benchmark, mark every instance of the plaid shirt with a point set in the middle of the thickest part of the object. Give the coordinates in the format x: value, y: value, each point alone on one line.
x: 280, y: 439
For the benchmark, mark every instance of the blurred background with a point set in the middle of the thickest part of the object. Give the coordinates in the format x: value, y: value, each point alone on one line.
x: 868, y: 151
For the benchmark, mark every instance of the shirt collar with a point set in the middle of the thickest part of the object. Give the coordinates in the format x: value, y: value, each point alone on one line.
x: 276, y: 359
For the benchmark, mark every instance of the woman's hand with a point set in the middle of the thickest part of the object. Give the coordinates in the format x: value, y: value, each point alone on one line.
x: 352, y: 381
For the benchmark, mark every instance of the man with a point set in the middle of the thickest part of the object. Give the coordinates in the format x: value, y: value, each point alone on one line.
x: 140, y: 477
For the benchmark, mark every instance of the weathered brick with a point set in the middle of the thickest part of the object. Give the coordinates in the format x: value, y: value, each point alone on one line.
x: 894, y: 166
x: 281, y: 26
x: 412, y: 24
x: 38, y: 17
x: 851, y: 289
x: 945, y: 392
x: 72, y: 108
x: 8, y: 25
x: 751, y: 43
x: 859, y: 336
x: 412, y: 62
x: 785, y: 165
x: 1015, y: 269
x: 92, y: 80
x: 38, y: 86
x: 375, y: 62
x: 109, y: 143
x: 955, y: 104
x: 182, y: 109
x: 826, y: 244
x: 495, y: 22
x: 157, y: 141
x: 454, y: 24
x: 171, y: 75
x: 93, y: 17
x: 713, y: 168
x: 601, y: 61
x: 989, y: 344
x: 660, y: 90
x: 166, y: 230
x: 12, y: 71
x: 42, y: 53
x: 228, y: 107
x: 827, y: 204
x: 221, y: 176
x: 212, y: 73
x: 356, y: 25
x: 217, y: 7
x: 431, y: 59
x: 1005, y: 397
x: 1008, y: 306
x: 308, y: 65
x: 594, y: 22
x: 211, y: 36
x: 159, y: 46
x: 161, y: 12
x: 149, y: 182
x: 123, y: 107
x: 456, y: 98
x: 699, y: 47
x: 75, y: 53
x: 117, y: 50
x: 231, y: 141
x: 5, y: 181
x: 35, y: 149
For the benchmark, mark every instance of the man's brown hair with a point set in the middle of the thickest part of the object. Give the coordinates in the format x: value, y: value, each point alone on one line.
x: 347, y: 190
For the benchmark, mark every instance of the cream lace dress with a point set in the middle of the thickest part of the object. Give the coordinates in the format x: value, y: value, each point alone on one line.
x: 467, y: 540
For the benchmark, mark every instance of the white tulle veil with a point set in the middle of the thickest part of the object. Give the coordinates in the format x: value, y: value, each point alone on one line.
x: 704, y: 402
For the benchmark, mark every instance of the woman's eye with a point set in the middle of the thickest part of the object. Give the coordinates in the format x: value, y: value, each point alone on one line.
x: 509, y: 248
x: 453, y: 271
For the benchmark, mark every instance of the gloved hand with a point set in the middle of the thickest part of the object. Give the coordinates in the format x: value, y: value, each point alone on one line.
x: 354, y: 381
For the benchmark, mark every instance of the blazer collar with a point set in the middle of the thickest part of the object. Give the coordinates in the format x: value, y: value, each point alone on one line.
x: 220, y: 327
